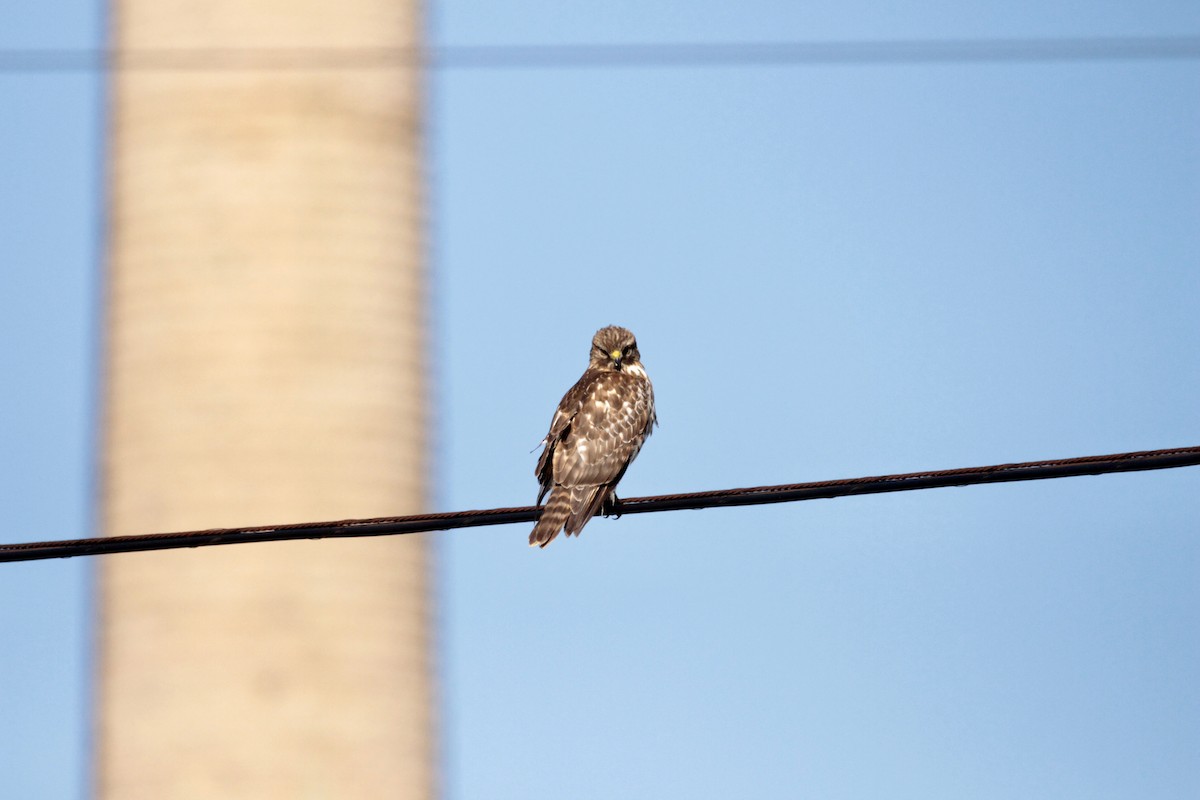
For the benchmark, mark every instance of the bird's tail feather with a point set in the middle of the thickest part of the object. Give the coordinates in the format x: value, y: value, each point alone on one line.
x: 568, y: 508
x: 585, y: 502
x: 554, y: 515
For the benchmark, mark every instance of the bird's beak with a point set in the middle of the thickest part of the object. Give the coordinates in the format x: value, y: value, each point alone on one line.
x: 616, y: 356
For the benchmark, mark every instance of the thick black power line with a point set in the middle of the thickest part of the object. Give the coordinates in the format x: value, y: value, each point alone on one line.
x: 758, y: 495
x: 575, y: 56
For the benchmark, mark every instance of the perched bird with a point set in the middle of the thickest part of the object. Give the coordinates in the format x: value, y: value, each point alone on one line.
x: 597, y: 431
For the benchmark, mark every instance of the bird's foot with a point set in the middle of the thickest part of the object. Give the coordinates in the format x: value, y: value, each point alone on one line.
x: 611, y: 507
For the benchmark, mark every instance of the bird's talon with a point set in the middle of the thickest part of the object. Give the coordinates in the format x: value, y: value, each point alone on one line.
x: 611, y: 508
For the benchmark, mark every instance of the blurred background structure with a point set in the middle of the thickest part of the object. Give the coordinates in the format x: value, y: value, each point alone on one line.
x: 265, y: 360
x: 851, y: 240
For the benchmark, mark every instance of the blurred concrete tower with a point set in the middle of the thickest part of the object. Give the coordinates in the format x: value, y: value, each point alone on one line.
x: 265, y: 364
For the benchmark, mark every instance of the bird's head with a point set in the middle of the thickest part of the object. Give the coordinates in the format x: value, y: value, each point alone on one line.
x: 614, y: 348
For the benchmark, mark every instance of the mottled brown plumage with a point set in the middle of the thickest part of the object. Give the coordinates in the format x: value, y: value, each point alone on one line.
x: 597, y: 431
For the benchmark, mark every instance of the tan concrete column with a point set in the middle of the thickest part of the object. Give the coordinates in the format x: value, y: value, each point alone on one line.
x: 265, y: 363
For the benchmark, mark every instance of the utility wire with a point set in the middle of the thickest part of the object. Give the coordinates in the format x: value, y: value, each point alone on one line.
x: 574, y: 56
x: 758, y: 495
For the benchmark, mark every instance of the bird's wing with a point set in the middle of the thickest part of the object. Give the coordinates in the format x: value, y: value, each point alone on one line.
x: 568, y: 407
x: 605, y: 433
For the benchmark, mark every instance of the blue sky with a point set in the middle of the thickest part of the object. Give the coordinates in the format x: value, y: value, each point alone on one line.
x: 832, y: 271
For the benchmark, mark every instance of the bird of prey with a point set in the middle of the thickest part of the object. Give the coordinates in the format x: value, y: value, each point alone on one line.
x: 597, y: 431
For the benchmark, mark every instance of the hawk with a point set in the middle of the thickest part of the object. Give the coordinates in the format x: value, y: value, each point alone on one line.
x: 597, y: 431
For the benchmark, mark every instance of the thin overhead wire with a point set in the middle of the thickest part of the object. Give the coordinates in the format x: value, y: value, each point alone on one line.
x: 913, y: 51
x: 757, y: 495
x: 577, y: 56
